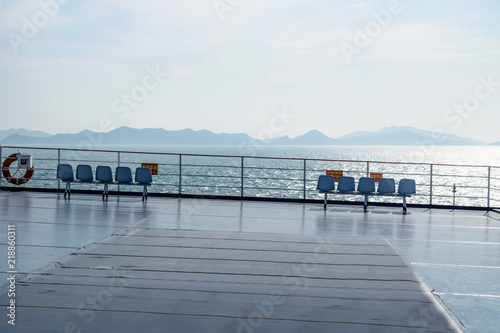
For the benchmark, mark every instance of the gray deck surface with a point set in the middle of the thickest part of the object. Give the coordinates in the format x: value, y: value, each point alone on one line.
x: 195, y: 265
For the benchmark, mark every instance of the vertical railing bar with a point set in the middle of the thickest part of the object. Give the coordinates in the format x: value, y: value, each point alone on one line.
x: 489, y: 187
x: 180, y: 174
x: 305, y: 171
x: 430, y: 189
x: 367, y: 169
x: 58, y: 162
x: 118, y: 165
x: 242, y: 174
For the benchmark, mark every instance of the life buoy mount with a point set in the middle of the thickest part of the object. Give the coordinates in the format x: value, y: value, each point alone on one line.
x: 9, y: 177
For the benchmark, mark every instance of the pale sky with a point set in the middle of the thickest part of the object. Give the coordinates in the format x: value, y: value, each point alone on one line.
x: 232, y: 65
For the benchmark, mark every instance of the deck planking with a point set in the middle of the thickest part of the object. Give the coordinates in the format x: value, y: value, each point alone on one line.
x: 200, y: 281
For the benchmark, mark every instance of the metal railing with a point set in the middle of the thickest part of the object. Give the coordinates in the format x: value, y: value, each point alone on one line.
x: 270, y: 177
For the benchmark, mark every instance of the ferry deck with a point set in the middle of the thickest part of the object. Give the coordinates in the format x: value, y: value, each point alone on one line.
x: 206, y: 265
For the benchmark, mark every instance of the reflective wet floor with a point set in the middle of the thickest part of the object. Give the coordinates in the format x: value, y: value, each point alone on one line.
x: 455, y: 253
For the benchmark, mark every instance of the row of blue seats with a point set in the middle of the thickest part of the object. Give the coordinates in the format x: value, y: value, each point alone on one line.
x: 366, y: 187
x: 104, y: 175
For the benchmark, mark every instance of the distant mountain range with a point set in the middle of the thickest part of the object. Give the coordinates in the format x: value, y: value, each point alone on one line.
x: 394, y: 135
x: 22, y: 131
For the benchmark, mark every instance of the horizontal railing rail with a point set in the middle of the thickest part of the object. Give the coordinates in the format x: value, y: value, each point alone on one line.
x: 438, y: 184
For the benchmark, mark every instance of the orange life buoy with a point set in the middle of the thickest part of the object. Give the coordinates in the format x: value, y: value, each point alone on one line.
x: 14, y: 180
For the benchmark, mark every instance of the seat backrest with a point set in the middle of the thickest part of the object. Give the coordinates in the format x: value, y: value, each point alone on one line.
x: 326, y: 183
x: 346, y: 184
x: 406, y: 187
x: 84, y: 173
x: 143, y: 176
x: 366, y: 185
x: 123, y: 175
x: 104, y: 174
x: 65, y: 172
x: 386, y: 186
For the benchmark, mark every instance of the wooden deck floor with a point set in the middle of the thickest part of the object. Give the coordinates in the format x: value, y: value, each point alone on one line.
x: 150, y: 280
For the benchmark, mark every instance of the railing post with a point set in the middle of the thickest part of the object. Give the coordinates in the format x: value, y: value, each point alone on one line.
x: 305, y: 178
x: 430, y: 189
x: 242, y: 174
x: 180, y: 174
x: 454, y: 191
x: 367, y: 169
x: 118, y: 165
x: 58, y: 162
x: 489, y: 186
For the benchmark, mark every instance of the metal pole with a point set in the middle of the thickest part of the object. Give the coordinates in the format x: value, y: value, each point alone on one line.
x: 454, y: 194
x: 367, y: 169
x: 430, y: 190
x: 58, y: 162
x: 305, y: 179
x: 242, y: 173
x: 180, y: 174
x: 118, y: 165
x: 489, y: 186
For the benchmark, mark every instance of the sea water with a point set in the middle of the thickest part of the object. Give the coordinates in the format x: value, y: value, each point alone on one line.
x: 284, y: 178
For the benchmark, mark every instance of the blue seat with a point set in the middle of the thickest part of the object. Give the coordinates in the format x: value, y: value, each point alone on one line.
x: 346, y: 184
x: 406, y: 187
x: 65, y: 173
x: 366, y: 185
x: 123, y: 175
x: 326, y: 184
x: 84, y: 173
x: 143, y: 176
x: 104, y: 175
x: 386, y: 186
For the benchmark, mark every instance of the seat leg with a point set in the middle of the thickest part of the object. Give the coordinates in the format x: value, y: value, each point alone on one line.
x: 326, y: 198
x: 67, y: 189
x: 145, y: 193
x: 365, y: 204
x: 404, y: 205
